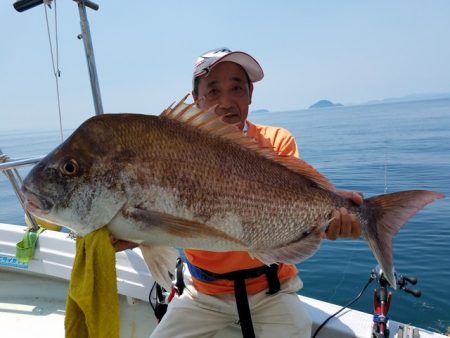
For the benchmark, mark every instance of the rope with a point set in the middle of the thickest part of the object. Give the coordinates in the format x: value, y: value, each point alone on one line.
x: 56, y: 70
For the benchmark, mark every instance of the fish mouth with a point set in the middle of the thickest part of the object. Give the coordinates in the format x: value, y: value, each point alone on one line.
x: 35, y: 203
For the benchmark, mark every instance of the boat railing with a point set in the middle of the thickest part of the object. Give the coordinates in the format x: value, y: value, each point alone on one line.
x: 9, y: 168
x: 9, y: 164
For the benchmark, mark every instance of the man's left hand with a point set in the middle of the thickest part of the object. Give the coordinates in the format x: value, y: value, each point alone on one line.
x: 344, y: 224
x: 120, y: 245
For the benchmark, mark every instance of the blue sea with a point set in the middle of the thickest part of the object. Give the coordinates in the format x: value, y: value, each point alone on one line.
x: 372, y: 149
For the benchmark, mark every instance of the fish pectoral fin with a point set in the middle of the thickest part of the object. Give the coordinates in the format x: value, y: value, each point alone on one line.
x: 178, y: 226
x: 160, y: 260
x: 294, y: 252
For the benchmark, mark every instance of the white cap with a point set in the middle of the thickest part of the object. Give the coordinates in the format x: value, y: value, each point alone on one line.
x: 213, y: 57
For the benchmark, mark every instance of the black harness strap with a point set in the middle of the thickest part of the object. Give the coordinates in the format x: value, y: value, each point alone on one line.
x: 240, y: 291
x: 245, y: 317
x: 179, y: 282
x: 272, y: 279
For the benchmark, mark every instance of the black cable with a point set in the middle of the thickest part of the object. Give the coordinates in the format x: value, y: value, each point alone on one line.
x: 150, y: 297
x: 343, y: 308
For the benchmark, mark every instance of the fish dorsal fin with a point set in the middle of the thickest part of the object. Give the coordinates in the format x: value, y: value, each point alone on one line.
x: 210, y: 122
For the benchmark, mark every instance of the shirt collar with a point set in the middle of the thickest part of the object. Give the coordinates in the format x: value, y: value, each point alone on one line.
x: 245, y: 129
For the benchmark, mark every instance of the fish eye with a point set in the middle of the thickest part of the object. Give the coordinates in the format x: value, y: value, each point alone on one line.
x: 69, y: 167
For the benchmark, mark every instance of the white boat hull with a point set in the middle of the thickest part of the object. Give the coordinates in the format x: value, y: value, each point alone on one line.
x: 33, y: 295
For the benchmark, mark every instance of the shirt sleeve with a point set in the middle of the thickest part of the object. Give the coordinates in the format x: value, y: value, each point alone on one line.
x: 288, y: 146
x: 279, y: 139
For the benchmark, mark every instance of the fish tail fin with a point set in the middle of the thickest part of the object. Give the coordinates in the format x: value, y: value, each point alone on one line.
x: 386, y: 214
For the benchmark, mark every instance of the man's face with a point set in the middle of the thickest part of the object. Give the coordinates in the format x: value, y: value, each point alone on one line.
x: 227, y: 86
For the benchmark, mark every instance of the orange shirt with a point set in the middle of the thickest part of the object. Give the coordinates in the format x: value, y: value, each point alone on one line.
x: 284, y: 144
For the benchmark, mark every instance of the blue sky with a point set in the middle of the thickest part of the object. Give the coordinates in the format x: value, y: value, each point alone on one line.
x: 346, y: 51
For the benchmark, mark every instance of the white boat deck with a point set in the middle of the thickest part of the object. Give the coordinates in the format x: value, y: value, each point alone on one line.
x: 33, y: 296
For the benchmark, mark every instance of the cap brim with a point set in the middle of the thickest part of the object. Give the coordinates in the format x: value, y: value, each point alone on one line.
x: 246, y: 61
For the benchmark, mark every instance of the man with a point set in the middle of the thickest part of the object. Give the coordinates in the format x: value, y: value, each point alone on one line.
x: 208, y: 303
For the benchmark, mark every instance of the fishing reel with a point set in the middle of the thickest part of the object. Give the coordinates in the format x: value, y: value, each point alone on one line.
x: 401, y: 280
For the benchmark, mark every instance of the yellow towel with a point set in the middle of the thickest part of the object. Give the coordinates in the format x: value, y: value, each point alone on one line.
x: 92, y: 308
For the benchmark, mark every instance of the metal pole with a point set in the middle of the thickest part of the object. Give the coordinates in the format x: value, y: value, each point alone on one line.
x: 89, y: 49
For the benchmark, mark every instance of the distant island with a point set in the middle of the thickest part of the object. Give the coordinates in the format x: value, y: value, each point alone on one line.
x: 260, y: 111
x: 411, y: 97
x: 324, y: 104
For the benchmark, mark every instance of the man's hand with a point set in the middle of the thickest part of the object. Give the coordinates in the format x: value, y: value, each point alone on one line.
x: 344, y: 224
x: 120, y: 245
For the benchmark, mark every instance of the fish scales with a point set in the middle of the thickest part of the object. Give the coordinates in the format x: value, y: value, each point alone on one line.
x: 210, y: 185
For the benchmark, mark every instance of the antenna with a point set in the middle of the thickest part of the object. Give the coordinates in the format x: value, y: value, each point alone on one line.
x: 23, y: 5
